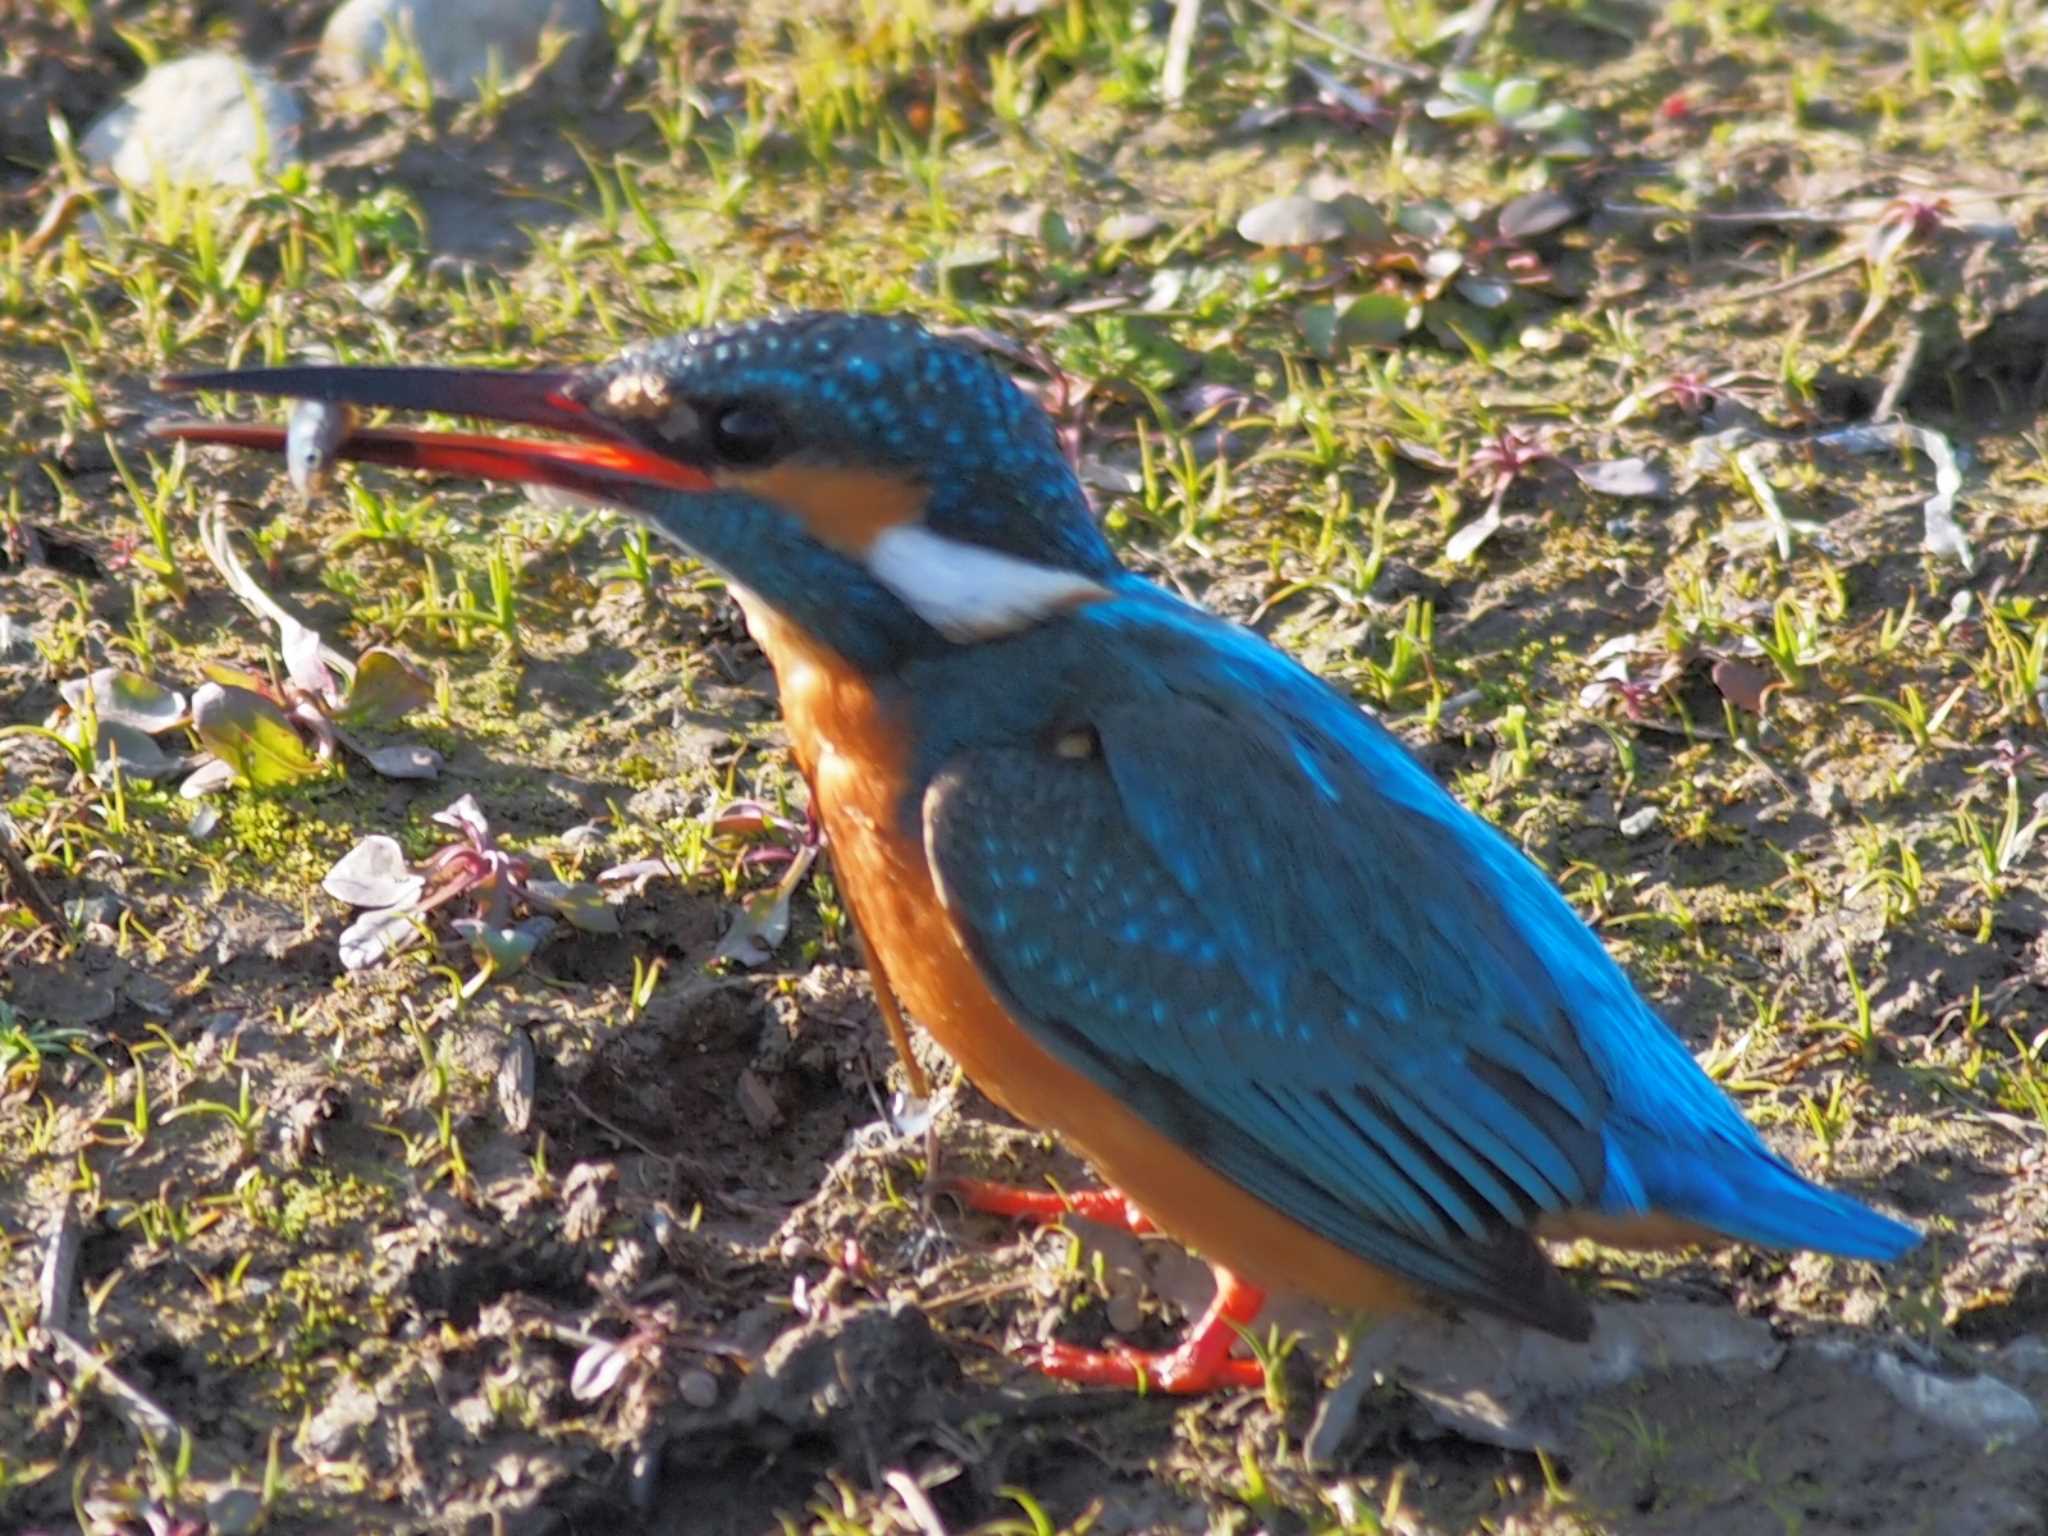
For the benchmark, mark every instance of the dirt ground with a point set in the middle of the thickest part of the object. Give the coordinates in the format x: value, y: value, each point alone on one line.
x: 632, y: 1235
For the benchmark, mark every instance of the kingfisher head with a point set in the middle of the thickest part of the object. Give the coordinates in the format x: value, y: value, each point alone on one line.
x: 887, y: 490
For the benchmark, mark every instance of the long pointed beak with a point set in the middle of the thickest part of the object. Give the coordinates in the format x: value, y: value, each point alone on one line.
x: 604, y: 464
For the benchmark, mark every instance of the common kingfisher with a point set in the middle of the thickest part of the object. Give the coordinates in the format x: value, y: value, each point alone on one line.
x: 1155, y: 886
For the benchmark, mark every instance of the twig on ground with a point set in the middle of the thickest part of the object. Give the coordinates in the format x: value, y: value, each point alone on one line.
x: 1482, y: 19
x: 57, y: 1284
x: 1349, y: 50
x: 1900, y: 378
x: 1770, y: 290
x: 24, y: 884
x: 144, y: 1414
x: 1180, y: 48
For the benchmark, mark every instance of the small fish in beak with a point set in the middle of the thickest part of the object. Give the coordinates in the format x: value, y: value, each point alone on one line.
x: 313, y: 435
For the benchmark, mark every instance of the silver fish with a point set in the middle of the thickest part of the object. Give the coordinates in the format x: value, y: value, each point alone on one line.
x: 313, y: 432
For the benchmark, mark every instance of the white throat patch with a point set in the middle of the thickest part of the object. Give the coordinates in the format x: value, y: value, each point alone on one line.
x: 967, y: 592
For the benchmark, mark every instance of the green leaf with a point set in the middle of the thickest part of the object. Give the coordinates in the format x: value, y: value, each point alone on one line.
x: 583, y: 905
x: 1379, y: 319
x: 1430, y: 219
x: 1451, y: 109
x: 1294, y: 220
x: 1516, y: 98
x: 763, y: 922
x: 501, y: 951
x: 252, y: 736
x: 126, y: 698
x: 141, y: 757
x: 386, y: 689
x: 1468, y: 85
x: 1464, y: 95
x: 1319, y: 328
x: 1484, y: 292
x: 234, y: 677
x: 1369, y: 320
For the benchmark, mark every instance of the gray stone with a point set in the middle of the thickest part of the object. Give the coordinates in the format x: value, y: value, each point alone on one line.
x: 208, y: 119
x: 235, y: 1512
x: 1975, y: 1407
x: 1293, y: 220
x: 1501, y: 1384
x: 461, y: 42
x: 336, y: 1430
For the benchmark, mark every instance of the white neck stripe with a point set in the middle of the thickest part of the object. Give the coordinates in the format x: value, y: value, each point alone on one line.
x: 967, y: 592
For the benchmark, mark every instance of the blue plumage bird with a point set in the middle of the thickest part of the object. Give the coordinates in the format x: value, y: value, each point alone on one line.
x: 1155, y: 886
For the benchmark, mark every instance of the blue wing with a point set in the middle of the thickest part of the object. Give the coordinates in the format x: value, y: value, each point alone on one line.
x: 1251, y: 913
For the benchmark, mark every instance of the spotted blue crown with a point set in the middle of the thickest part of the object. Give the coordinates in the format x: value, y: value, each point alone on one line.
x: 880, y: 392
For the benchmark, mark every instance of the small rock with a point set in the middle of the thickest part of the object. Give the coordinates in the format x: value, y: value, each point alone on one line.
x: 1129, y: 228
x: 149, y: 994
x: 94, y: 911
x: 2026, y: 1355
x: 60, y: 995
x: 1825, y: 799
x: 475, y: 1414
x: 1099, y: 474
x: 234, y: 1511
x: 462, y: 43
x: 1500, y: 1384
x: 300, y: 1130
x: 860, y: 1368
x: 757, y: 1102
x: 586, y: 1196
x: 517, y: 1068
x: 203, y: 120
x: 698, y: 1388
x: 585, y: 835
x: 1034, y: 221
x: 1336, y: 1416
x: 1294, y: 220
x: 350, y: 1410
x: 1977, y: 1407
x: 666, y: 801
x: 1639, y: 821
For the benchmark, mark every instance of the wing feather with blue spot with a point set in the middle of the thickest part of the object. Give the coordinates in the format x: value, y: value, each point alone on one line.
x: 1384, y: 1105
x: 1247, y: 910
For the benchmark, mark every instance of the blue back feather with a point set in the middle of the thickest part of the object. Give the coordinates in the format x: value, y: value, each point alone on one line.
x: 1268, y: 928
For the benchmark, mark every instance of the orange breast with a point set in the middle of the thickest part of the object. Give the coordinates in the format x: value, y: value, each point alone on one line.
x: 852, y: 753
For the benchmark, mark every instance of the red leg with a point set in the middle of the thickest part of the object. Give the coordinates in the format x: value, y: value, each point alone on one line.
x: 1048, y: 1205
x: 1201, y: 1362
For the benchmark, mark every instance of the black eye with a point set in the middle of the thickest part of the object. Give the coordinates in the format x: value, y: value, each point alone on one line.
x: 745, y: 434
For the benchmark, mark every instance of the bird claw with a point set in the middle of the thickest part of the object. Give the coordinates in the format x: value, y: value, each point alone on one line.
x: 1179, y: 1372
x: 1047, y: 1205
x: 1200, y: 1363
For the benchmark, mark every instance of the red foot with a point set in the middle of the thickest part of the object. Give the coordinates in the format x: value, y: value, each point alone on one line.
x: 1103, y: 1205
x: 1201, y: 1363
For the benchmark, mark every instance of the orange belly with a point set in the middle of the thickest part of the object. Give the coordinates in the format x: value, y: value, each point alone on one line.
x: 852, y: 755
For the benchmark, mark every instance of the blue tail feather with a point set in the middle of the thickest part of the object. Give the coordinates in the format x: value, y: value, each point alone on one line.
x: 1747, y: 1192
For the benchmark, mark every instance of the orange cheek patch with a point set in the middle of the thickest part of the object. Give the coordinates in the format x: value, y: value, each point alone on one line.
x: 846, y: 509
